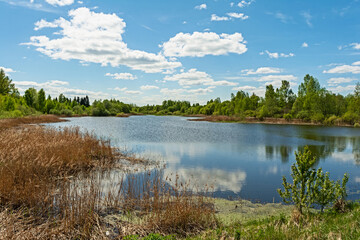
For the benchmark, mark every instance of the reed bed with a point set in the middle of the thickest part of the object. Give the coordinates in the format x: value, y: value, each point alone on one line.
x: 15, y: 122
x: 64, y: 184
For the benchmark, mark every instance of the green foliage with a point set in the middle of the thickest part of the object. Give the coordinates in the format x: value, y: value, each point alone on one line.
x: 309, y: 186
x: 357, y: 125
x: 287, y: 116
x: 303, y: 175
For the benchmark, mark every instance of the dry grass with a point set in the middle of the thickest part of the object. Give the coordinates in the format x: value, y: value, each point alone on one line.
x: 60, y: 183
x: 15, y: 122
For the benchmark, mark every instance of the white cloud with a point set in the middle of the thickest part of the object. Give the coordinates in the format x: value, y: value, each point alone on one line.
x: 124, y: 76
x: 354, y: 68
x: 244, y: 88
x: 80, y: 2
x: 241, y: 16
x: 342, y: 89
x: 262, y: 70
x: 244, y: 3
x: 355, y: 46
x: 194, y: 77
x: 216, y: 18
x: 269, y: 78
x: 282, y: 17
x: 120, y: 89
x: 148, y: 87
x: 307, y: 16
x: 200, y: 44
x: 277, y: 55
x: 201, y: 6
x: 133, y: 92
x: 305, y: 45
x: 55, y: 87
x: 340, y: 80
x: 97, y: 38
x: 7, y: 70
x: 60, y: 3
x: 200, y: 90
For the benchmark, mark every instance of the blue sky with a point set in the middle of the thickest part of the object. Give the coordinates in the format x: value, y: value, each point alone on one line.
x: 147, y: 51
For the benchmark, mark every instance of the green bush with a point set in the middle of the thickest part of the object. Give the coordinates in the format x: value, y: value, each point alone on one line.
x: 357, y: 125
x: 310, y: 186
x: 304, y: 115
x: 331, y: 120
x: 350, y: 117
x: 66, y: 112
x: 287, y: 116
x: 318, y: 117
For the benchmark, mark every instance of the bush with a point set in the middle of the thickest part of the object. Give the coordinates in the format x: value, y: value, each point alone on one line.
x: 287, y: 116
x: 357, y: 125
x: 66, y: 112
x: 318, y: 117
x: 331, y: 120
x: 350, y: 117
x: 54, y: 111
x: 304, y: 115
x: 309, y: 186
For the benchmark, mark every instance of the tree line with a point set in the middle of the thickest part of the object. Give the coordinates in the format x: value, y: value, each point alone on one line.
x: 312, y: 103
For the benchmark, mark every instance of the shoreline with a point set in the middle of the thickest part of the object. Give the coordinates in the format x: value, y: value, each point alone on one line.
x: 253, y: 120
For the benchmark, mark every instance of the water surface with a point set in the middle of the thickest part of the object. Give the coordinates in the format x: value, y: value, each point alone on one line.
x: 239, y: 160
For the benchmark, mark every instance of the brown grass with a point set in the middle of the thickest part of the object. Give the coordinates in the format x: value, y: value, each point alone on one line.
x: 15, y: 122
x: 59, y: 183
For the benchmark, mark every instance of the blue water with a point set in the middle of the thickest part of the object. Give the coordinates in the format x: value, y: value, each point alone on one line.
x: 239, y: 160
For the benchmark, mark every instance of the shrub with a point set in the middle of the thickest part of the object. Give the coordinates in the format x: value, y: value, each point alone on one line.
x: 357, y: 125
x: 350, y: 117
x: 331, y: 120
x: 318, y: 117
x: 304, y: 115
x: 309, y: 186
x: 66, y: 112
x: 303, y: 178
x: 287, y: 116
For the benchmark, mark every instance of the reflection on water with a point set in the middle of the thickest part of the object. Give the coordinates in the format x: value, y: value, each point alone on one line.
x: 239, y: 160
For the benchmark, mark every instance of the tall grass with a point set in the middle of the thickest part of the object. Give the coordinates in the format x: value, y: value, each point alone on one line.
x: 61, y: 182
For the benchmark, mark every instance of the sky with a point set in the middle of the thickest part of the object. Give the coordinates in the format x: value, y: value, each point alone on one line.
x: 144, y: 52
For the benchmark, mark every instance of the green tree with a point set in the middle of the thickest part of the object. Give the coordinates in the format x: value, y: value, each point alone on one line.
x: 41, y: 100
x: 303, y: 175
x: 31, y: 97
x: 326, y: 191
x: 6, y: 85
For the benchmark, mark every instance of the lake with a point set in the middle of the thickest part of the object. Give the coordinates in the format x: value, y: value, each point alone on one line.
x: 240, y: 160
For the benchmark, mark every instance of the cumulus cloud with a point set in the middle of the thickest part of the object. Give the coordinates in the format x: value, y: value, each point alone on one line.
x: 148, y: 87
x: 201, y: 6
x: 244, y: 3
x: 195, y: 77
x: 340, y: 80
x: 342, y: 89
x: 55, y: 87
x: 244, y: 88
x: 354, y: 68
x: 262, y: 70
x: 355, y: 46
x: 305, y: 45
x: 216, y: 18
x: 241, y: 16
x: 60, y: 3
x: 124, y: 76
x: 276, y: 78
x: 199, y: 44
x: 7, y: 70
x: 92, y: 37
x: 277, y: 55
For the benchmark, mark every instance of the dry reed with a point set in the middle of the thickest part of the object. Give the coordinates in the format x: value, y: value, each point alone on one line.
x: 59, y: 183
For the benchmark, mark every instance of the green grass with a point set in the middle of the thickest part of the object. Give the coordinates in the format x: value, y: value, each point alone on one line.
x: 313, y: 225
x: 327, y: 225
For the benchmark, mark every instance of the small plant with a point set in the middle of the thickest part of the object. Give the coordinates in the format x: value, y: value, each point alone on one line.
x: 310, y: 186
x: 299, y: 192
x: 357, y: 125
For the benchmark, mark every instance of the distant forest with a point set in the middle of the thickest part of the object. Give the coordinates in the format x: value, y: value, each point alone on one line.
x: 312, y: 103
